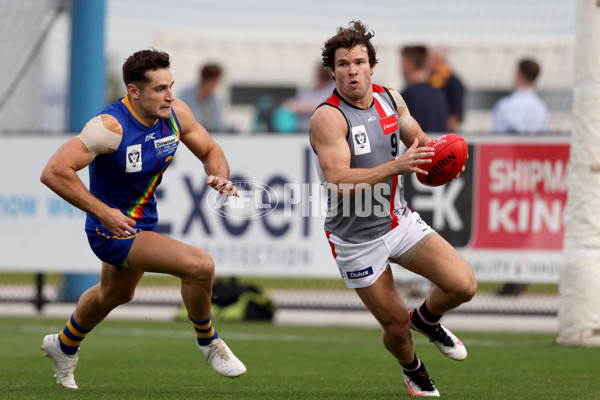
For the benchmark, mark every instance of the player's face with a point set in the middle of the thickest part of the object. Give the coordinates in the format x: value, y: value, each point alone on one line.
x: 156, y: 97
x: 352, y: 75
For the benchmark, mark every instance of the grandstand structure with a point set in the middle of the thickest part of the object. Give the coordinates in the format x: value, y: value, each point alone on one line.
x: 260, y: 62
x: 274, y: 58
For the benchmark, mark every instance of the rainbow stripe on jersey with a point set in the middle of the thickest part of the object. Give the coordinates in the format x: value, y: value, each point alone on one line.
x: 128, y: 179
x: 136, y: 210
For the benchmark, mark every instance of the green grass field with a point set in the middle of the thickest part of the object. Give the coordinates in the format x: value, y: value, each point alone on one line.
x: 158, y: 360
x: 149, y: 279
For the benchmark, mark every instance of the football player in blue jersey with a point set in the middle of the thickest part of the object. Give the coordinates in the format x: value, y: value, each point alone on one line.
x: 128, y: 146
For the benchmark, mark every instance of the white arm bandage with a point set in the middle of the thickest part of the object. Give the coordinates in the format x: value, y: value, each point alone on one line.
x: 98, y: 139
x: 405, y: 121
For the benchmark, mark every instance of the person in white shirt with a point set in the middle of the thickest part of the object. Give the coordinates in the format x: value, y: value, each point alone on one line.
x: 524, y: 113
x: 521, y: 112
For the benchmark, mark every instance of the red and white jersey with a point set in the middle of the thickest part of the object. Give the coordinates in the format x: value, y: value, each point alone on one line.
x: 373, y: 138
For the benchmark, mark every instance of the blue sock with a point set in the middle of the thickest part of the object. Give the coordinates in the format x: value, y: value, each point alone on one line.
x: 205, y: 333
x: 71, y: 337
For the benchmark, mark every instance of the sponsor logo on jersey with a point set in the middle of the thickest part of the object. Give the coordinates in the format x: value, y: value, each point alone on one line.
x: 166, y: 145
x: 360, y: 274
x: 133, y: 162
x: 165, y: 141
x: 389, y: 124
x: 150, y: 136
x: 361, y: 140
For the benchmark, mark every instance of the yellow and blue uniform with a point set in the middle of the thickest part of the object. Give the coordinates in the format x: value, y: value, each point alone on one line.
x: 127, y: 179
x: 71, y: 336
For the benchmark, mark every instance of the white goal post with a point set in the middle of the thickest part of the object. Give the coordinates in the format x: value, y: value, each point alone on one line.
x: 579, y: 301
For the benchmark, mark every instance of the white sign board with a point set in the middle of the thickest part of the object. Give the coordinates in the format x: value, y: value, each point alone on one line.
x: 275, y: 227
x: 42, y: 232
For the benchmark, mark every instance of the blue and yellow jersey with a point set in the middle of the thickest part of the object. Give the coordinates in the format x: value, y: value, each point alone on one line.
x: 128, y: 178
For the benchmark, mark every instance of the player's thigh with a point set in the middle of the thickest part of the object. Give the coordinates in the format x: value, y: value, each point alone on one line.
x: 153, y: 252
x: 383, y: 300
x: 439, y: 262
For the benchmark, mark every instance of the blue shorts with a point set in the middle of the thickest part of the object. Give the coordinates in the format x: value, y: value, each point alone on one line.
x: 110, y: 248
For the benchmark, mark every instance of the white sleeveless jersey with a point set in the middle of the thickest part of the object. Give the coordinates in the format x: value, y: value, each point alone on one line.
x: 373, y: 138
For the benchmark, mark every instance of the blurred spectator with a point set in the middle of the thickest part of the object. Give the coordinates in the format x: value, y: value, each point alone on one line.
x: 293, y: 114
x: 443, y: 78
x: 204, y: 103
x: 522, y: 111
x: 426, y: 104
x: 305, y: 103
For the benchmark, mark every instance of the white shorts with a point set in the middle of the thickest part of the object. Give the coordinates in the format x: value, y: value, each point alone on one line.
x: 363, y: 263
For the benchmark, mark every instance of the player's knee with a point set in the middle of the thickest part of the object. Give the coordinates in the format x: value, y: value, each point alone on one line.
x: 472, y: 289
x: 466, y: 289
x: 205, y: 270
x: 202, y: 267
x: 113, y: 298
x: 123, y: 298
x: 398, y: 331
x: 396, y: 327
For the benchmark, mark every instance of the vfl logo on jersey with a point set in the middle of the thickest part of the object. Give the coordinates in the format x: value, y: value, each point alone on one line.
x: 134, y: 158
x: 361, y: 140
x: 360, y: 274
x: 389, y: 124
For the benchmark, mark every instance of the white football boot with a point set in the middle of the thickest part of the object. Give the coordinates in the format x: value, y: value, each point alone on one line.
x: 63, y: 364
x: 444, y: 340
x: 222, y: 359
x: 419, y: 384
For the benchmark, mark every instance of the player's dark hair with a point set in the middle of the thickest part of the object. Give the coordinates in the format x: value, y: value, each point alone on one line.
x: 140, y: 62
x: 356, y: 34
x: 418, y: 55
x: 210, y: 71
x: 529, y: 70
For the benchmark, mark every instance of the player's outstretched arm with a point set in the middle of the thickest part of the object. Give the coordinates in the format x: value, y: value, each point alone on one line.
x: 199, y: 141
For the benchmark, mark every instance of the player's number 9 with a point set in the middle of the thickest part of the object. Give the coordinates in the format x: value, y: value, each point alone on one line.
x: 394, y: 143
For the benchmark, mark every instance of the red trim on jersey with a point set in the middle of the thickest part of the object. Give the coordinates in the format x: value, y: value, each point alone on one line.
x: 389, y: 123
x: 392, y: 200
x: 378, y: 89
x: 379, y: 109
x: 331, y: 245
x: 333, y: 100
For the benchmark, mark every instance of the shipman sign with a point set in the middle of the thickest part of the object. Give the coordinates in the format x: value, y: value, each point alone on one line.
x: 504, y: 214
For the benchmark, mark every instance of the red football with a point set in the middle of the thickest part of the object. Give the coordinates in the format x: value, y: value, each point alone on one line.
x: 450, y: 156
